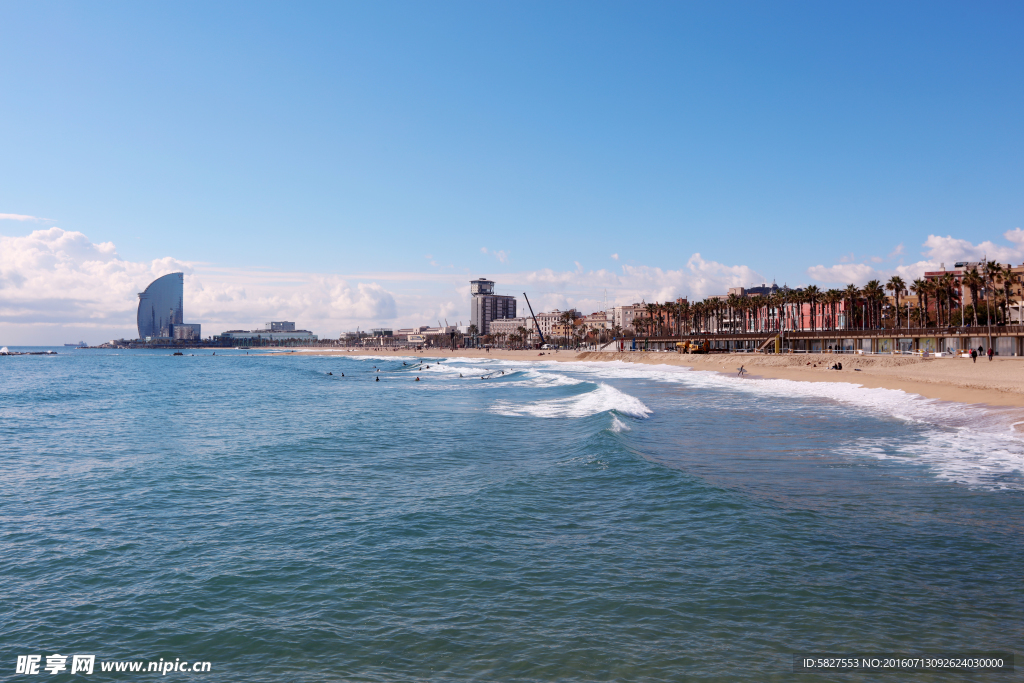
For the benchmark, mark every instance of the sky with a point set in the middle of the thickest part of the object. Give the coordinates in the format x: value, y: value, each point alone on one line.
x: 356, y: 164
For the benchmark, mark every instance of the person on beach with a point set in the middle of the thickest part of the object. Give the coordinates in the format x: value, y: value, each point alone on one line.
x: 741, y: 371
x: 974, y: 355
x: 990, y: 355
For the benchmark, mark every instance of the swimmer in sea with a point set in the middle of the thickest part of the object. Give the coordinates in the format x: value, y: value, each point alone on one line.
x: 417, y: 379
x: 378, y: 379
x: 330, y: 373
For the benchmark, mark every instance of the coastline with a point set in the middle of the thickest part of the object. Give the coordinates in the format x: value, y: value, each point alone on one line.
x: 999, y: 382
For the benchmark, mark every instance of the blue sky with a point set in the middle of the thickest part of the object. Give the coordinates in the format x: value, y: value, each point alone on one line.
x: 389, y: 144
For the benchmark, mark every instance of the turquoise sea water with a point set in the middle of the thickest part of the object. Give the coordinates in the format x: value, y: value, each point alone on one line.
x: 558, y: 522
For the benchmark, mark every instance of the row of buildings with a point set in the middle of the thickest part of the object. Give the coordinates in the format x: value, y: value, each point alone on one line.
x: 956, y: 300
x: 945, y: 310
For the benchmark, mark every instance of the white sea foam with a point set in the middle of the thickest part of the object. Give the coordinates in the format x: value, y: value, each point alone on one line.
x: 603, y: 398
x: 972, y: 445
x: 619, y: 426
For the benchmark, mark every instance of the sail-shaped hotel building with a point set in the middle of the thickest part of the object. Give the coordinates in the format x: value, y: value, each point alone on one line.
x: 161, y: 310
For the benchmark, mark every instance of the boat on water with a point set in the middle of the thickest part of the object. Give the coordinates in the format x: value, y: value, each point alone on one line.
x: 78, y: 345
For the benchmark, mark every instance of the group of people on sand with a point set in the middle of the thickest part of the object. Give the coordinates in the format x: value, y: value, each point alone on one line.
x: 980, y: 351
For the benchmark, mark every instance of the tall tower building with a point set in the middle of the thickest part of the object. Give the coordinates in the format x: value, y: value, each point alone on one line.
x: 161, y: 311
x: 160, y: 306
x: 487, y: 306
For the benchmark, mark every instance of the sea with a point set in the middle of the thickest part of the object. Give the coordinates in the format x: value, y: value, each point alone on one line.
x: 289, y: 517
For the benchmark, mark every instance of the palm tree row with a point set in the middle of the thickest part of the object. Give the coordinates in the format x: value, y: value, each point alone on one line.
x: 851, y: 308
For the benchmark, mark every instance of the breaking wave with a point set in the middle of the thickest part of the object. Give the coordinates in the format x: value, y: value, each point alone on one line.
x: 602, y: 399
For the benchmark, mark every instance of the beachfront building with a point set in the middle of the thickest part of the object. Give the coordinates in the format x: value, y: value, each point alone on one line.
x: 551, y: 325
x: 504, y: 327
x: 187, y: 332
x: 161, y: 310
x: 623, y: 316
x: 268, y: 335
x: 973, y: 284
x: 599, y: 320
x: 547, y: 321
x: 403, y: 334
x: 486, y: 306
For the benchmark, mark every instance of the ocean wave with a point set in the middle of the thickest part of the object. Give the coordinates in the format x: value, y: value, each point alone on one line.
x: 974, y: 446
x: 619, y: 426
x: 971, y: 457
x: 602, y: 399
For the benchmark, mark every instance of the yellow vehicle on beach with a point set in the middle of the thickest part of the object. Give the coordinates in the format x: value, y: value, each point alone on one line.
x: 699, y: 346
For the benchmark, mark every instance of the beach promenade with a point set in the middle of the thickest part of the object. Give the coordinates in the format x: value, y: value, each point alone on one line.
x: 999, y: 382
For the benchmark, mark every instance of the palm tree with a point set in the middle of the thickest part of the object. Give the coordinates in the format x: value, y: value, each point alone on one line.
x: 974, y: 282
x: 992, y: 273
x: 919, y: 287
x: 851, y: 294
x: 897, y: 286
x: 811, y: 294
x: 953, y: 295
x: 873, y: 293
x: 1008, y: 278
x: 522, y: 333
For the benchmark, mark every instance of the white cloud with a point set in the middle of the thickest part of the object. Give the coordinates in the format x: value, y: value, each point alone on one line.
x: 19, y: 217
x: 57, y: 285
x: 585, y: 289
x: 856, y: 273
x: 937, y: 250
x: 615, y: 257
x: 950, y: 250
x: 499, y: 254
x: 55, y: 280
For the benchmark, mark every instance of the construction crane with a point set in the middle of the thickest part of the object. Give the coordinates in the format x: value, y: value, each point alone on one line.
x: 539, y: 333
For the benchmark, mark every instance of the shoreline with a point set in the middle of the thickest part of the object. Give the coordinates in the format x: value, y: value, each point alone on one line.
x: 999, y: 382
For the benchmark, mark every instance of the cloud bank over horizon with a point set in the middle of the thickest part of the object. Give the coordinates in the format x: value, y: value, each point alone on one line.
x: 938, y: 252
x: 56, y: 283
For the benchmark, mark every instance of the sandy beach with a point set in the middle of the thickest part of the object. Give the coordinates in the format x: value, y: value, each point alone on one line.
x: 999, y: 382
